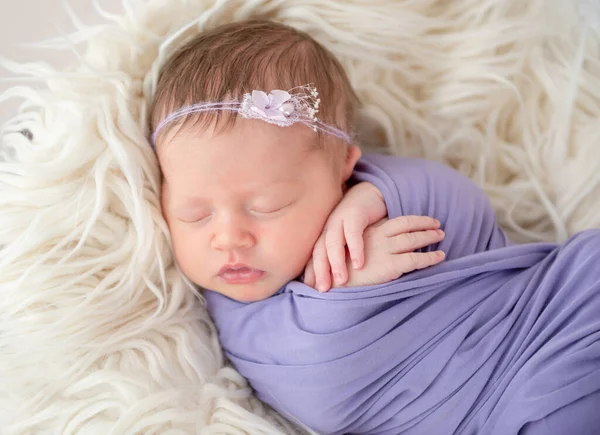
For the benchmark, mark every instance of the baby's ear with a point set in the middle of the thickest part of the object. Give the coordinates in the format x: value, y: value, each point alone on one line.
x: 353, y: 153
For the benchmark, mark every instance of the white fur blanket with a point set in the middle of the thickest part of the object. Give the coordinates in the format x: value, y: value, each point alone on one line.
x: 99, y: 333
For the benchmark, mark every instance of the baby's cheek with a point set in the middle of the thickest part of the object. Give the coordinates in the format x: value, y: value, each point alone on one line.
x: 188, y: 253
x: 291, y: 245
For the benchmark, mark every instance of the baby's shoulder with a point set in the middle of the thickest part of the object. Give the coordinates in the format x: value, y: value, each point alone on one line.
x: 411, y: 167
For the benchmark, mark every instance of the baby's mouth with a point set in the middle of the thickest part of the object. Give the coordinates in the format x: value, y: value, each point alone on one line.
x: 240, y: 274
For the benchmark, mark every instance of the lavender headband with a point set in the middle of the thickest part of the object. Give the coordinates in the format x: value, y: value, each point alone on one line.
x: 277, y: 107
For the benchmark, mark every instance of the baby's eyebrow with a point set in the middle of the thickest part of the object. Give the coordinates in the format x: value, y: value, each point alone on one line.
x: 191, y: 201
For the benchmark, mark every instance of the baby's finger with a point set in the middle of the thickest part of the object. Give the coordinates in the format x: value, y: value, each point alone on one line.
x: 309, y: 274
x: 408, y: 262
x: 406, y: 224
x: 409, y: 242
x: 353, y: 231
x: 336, y: 253
x: 321, y: 266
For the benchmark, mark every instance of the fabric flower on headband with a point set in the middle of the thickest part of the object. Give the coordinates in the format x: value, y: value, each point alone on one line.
x: 275, y: 105
x: 282, y: 108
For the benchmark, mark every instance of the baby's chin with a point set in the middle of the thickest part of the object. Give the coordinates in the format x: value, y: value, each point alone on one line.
x: 254, y: 292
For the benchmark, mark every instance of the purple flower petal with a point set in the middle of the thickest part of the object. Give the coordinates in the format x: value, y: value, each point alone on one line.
x: 277, y: 98
x: 261, y: 112
x: 260, y: 99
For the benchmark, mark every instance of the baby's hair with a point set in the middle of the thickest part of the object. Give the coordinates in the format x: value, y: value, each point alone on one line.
x: 228, y: 61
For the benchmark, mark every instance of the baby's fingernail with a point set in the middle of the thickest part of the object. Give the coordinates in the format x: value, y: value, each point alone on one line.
x: 338, y: 278
x: 440, y: 232
x: 437, y: 222
x: 441, y: 254
x: 355, y: 264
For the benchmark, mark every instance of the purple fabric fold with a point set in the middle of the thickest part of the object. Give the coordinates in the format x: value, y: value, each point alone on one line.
x: 496, y: 337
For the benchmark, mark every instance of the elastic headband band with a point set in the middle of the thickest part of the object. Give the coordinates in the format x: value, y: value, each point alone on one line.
x: 277, y: 107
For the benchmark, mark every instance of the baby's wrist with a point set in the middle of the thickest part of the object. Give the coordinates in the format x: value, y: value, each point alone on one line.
x: 374, y: 189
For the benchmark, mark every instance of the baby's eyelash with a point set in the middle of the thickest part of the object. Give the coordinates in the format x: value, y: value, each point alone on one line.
x: 270, y: 210
x: 196, y: 220
x: 267, y: 211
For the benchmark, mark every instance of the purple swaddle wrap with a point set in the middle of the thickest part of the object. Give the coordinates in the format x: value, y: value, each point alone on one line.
x: 496, y: 336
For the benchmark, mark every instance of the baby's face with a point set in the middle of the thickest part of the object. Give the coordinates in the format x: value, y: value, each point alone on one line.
x: 245, y: 207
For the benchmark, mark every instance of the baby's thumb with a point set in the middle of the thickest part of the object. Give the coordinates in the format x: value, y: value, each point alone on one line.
x: 309, y: 274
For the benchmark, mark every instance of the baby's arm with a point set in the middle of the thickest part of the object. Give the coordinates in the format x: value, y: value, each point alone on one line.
x: 422, y: 187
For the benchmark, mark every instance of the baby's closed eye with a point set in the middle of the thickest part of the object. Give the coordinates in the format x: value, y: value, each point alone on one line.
x: 193, y: 218
x: 269, y: 207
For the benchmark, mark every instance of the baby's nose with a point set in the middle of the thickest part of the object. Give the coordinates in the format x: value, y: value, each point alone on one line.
x: 232, y: 236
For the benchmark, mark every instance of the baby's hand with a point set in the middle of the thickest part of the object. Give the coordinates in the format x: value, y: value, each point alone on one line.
x: 389, y: 250
x: 360, y: 207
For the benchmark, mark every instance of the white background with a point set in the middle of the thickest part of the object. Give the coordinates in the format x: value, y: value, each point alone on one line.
x: 26, y: 21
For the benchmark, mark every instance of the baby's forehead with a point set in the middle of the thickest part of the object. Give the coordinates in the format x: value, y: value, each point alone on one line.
x: 189, y: 189
x: 246, y: 154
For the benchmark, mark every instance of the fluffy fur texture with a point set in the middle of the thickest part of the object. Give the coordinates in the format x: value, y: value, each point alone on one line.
x: 99, y: 333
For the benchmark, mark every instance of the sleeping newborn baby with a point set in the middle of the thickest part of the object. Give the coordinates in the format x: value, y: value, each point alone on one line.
x: 264, y: 190
x: 246, y: 196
